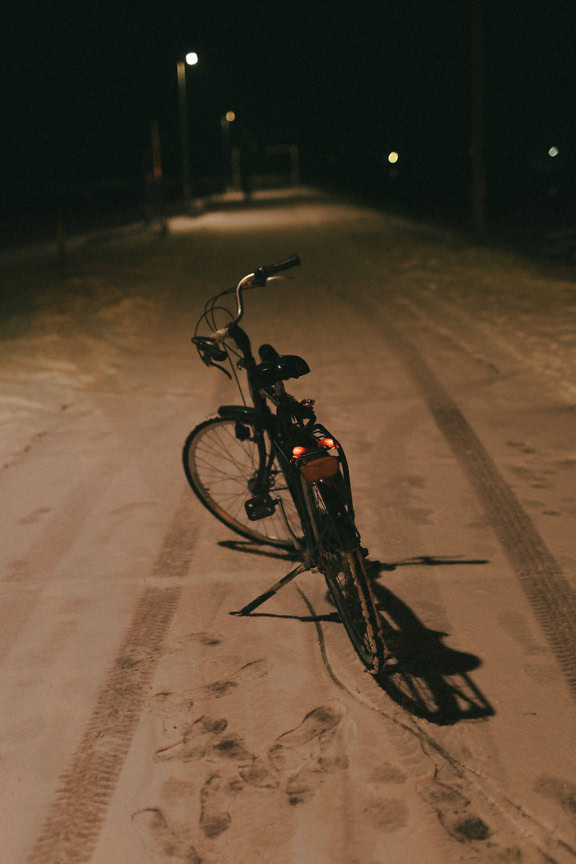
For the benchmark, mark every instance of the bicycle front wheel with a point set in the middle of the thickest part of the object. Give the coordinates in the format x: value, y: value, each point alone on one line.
x: 223, y: 459
x: 345, y: 576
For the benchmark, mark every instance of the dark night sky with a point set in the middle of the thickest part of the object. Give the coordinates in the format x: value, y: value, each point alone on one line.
x: 83, y: 80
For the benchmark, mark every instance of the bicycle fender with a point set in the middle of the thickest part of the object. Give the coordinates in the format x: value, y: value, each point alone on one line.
x: 347, y: 532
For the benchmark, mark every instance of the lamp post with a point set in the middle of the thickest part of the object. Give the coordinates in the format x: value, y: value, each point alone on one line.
x: 225, y: 122
x: 191, y: 59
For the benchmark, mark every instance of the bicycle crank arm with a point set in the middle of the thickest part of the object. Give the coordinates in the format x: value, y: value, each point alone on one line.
x: 271, y: 591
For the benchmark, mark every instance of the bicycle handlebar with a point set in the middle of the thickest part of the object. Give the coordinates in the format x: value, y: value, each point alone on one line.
x: 265, y: 271
x: 259, y: 277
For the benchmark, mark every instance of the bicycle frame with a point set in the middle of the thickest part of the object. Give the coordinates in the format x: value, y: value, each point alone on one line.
x: 283, y: 433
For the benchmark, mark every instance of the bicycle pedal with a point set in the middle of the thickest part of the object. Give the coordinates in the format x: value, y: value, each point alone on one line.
x: 242, y: 431
x: 259, y: 507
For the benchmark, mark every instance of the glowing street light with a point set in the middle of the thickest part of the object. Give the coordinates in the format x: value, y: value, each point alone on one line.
x: 191, y: 59
x: 225, y: 121
x: 393, y: 157
x: 553, y: 151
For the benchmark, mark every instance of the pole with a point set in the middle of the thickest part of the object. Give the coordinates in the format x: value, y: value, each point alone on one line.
x: 61, y: 240
x: 157, y: 191
x: 226, y: 151
x: 294, y: 165
x: 184, y: 135
x: 478, y: 124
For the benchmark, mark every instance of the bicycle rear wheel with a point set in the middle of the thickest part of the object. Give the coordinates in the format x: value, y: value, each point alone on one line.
x: 345, y: 574
x: 222, y: 460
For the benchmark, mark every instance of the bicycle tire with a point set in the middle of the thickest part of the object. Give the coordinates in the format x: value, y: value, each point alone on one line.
x: 219, y: 467
x: 345, y: 574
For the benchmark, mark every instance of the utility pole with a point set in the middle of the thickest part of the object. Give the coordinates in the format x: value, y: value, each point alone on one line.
x: 477, y: 144
x: 186, y: 190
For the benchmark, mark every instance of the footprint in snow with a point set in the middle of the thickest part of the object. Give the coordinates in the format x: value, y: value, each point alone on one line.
x: 215, y: 797
x: 298, y: 762
x: 305, y: 755
x: 225, y: 686
x: 164, y: 844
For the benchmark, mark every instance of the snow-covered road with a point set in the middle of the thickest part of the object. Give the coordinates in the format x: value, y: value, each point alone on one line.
x: 140, y: 722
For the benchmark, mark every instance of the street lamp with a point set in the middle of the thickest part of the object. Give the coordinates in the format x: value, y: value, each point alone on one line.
x: 225, y: 122
x: 191, y: 59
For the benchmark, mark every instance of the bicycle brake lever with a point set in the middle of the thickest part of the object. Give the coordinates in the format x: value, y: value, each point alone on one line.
x: 207, y: 359
x: 206, y: 348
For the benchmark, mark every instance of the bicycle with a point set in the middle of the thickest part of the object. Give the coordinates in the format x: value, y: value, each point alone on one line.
x: 273, y: 474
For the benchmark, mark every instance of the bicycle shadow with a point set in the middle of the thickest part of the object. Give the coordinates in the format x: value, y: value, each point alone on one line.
x: 250, y: 547
x: 424, y: 676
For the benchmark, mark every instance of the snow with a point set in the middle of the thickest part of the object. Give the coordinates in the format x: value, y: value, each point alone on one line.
x: 141, y: 722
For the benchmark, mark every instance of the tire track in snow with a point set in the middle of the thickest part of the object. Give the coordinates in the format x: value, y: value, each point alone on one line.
x: 45, y: 554
x: 77, y: 812
x: 541, y: 578
x: 419, y: 748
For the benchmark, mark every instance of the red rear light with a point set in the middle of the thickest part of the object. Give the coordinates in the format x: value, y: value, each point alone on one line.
x: 298, y: 451
x: 327, y: 442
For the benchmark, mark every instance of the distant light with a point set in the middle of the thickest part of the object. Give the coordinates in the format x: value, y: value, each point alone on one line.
x: 553, y: 151
x: 393, y: 157
x: 192, y: 58
x: 230, y: 116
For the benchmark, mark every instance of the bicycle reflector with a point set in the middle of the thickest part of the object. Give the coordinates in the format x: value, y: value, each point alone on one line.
x: 298, y: 451
x: 319, y: 469
x: 327, y: 442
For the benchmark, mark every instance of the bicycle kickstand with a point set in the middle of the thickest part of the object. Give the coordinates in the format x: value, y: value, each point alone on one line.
x: 271, y: 591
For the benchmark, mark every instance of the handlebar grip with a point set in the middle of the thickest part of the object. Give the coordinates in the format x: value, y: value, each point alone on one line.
x: 267, y: 270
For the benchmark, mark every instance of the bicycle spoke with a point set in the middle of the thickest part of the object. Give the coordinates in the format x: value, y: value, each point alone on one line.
x: 222, y: 466
x: 226, y: 456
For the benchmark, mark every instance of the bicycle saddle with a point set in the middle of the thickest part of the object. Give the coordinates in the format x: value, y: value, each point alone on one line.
x: 281, y: 368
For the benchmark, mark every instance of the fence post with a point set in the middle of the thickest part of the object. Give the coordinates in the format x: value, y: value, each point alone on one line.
x: 295, y: 165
